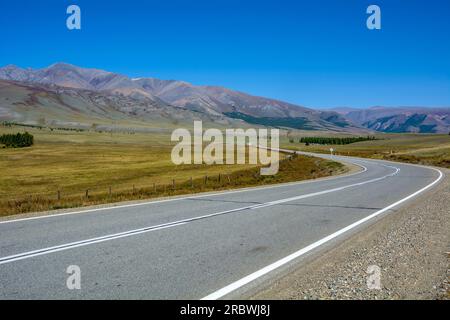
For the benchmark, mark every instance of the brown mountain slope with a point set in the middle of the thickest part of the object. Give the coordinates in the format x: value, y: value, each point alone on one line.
x: 401, y: 119
x: 207, y: 101
x: 41, y: 104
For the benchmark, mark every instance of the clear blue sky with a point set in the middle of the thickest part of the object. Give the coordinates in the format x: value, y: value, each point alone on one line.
x: 314, y: 53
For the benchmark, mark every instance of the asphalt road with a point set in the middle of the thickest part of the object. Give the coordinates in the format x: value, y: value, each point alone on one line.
x: 213, y: 246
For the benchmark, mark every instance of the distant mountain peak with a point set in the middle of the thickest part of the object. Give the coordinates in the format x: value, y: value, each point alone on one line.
x: 402, y: 119
x: 11, y: 66
x: 61, y: 64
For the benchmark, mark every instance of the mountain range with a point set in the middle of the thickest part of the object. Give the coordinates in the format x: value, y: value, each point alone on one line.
x: 400, y: 119
x: 64, y: 94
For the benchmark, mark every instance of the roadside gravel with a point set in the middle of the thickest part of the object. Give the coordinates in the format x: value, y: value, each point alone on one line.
x: 411, y: 246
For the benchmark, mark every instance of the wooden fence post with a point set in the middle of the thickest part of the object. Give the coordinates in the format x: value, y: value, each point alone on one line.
x: 110, y: 191
x: 59, y: 195
x: 87, y: 193
x: 173, y: 184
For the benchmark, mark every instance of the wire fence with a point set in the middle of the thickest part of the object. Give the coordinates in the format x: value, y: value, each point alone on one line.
x: 60, y: 198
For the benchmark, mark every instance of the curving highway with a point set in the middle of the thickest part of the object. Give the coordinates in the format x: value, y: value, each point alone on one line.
x: 208, y: 246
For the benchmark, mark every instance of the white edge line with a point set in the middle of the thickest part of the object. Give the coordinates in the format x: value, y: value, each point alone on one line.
x: 251, y: 277
x: 364, y: 169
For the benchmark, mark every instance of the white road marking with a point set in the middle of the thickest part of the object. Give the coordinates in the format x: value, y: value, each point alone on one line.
x: 185, y: 198
x: 72, y: 245
x: 77, y: 244
x: 251, y: 277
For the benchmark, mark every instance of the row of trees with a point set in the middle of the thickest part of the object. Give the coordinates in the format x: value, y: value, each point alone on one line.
x: 18, y: 140
x: 326, y: 140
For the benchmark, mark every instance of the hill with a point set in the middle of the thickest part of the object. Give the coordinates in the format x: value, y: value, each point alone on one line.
x: 72, y: 92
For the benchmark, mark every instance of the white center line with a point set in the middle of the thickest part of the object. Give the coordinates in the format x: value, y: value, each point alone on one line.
x: 190, y: 197
x: 77, y: 244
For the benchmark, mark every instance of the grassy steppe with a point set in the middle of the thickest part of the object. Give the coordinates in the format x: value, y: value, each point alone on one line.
x: 131, y: 164
x: 427, y: 149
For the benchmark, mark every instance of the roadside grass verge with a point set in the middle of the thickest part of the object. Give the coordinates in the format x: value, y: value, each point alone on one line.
x: 294, y: 168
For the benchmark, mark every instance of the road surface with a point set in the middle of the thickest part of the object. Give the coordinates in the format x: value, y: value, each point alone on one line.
x: 205, y: 246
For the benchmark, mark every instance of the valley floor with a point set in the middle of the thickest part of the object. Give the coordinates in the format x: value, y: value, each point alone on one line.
x: 67, y: 169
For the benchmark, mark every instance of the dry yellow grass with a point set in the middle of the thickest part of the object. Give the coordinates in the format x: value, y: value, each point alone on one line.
x: 73, y: 162
x: 427, y: 149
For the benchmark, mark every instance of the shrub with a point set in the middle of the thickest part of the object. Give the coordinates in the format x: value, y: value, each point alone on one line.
x: 325, y: 140
x: 18, y: 140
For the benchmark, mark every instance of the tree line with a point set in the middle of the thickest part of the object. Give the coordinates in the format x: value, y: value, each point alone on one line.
x: 327, y: 140
x: 18, y: 140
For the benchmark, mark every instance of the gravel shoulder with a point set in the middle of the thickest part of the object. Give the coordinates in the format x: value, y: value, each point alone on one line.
x: 411, y: 246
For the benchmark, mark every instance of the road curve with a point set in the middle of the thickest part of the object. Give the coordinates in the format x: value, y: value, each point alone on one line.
x: 205, y: 246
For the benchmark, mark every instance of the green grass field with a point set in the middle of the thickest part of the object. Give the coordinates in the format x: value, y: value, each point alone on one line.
x: 132, y: 165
